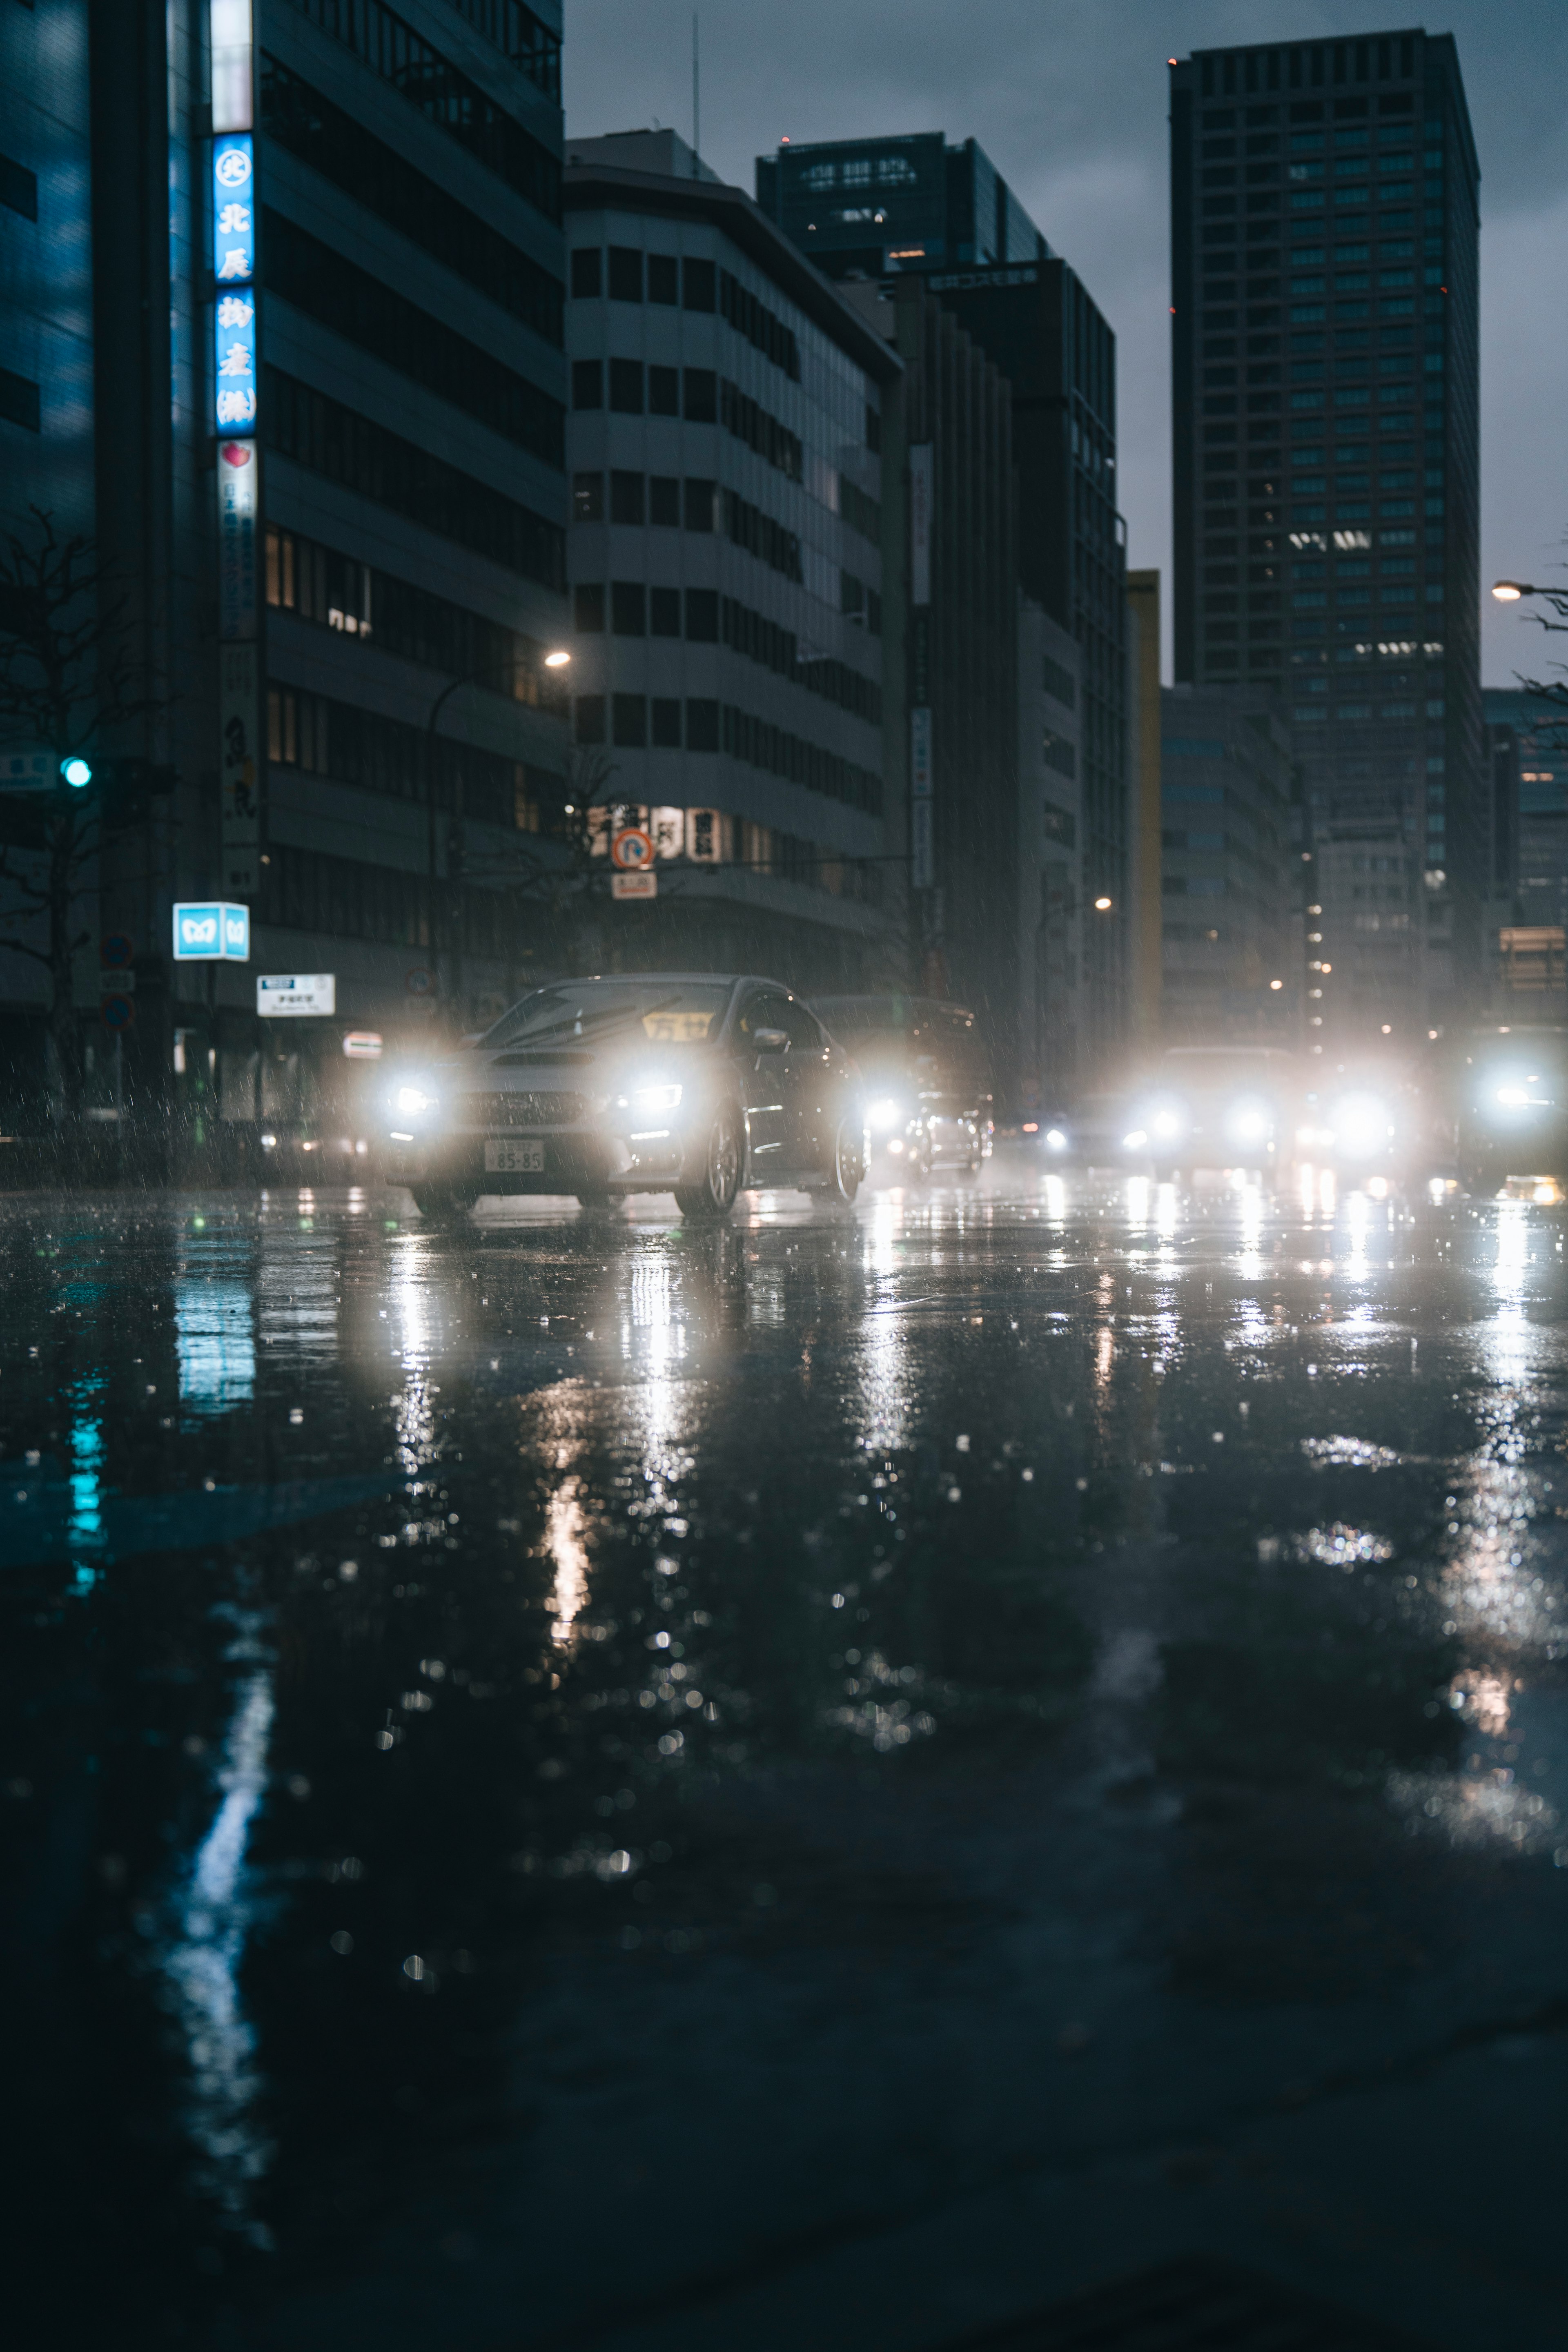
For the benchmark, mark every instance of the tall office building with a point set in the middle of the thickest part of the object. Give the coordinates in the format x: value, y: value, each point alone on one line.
x: 1231, y: 915
x: 890, y: 208
x: 1325, y: 265
x: 292, y: 351
x: 726, y: 447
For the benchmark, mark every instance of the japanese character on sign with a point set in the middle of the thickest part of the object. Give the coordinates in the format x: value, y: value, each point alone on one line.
x: 231, y: 166
x: 237, y: 408
x: 236, y: 361
x: 235, y: 311
x: 234, y: 220
x: 235, y: 263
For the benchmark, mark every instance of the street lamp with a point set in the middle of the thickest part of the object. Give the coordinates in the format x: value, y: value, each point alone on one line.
x: 556, y: 659
x: 1102, y: 905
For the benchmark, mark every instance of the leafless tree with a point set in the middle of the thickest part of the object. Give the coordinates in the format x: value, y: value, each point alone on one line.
x: 62, y: 684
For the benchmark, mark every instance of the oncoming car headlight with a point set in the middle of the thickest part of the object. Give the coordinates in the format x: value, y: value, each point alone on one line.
x: 885, y: 1114
x: 1135, y: 1141
x: 413, y: 1101
x: 1248, y: 1123
x: 1360, y: 1123
x: 1055, y: 1140
x: 1166, y: 1122
x: 645, y: 1098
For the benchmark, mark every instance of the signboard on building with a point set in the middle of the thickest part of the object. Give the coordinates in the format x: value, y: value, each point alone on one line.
x: 633, y: 885
x: 234, y: 211
x: 209, y: 930
x: 704, y: 837
x: 921, y: 494
x: 237, y: 506
x: 299, y: 996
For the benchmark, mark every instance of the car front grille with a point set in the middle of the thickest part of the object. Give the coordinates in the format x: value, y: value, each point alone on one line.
x: 521, y: 1109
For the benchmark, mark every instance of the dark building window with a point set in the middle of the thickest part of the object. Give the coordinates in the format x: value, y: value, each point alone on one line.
x: 587, y: 383
x: 698, y: 285
x: 666, y: 725
x: 664, y: 392
x: 851, y: 596
x: 332, y: 144
x: 759, y: 325
x: 19, y: 188
x: 700, y: 499
x: 626, y: 387
x: 587, y: 497
x: 701, y: 396
x: 702, y: 615
x: 763, y: 641
x: 338, y: 592
x: 366, y: 311
x: 19, y: 401
x: 760, y: 535
x: 626, y: 273
x: 628, y: 614
x: 873, y: 427
x: 701, y: 726
x: 760, y: 744
x: 444, y: 96
x: 588, y: 607
x: 590, y: 718
x: 630, y: 721
x: 750, y: 423
x: 336, y: 442
x: 625, y: 498
x: 378, y: 754
x: 585, y: 272
x: 514, y: 30
x: 861, y: 513
x: 664, y: 612
x: 663, y: 284
x: 305, y: 891
x: 664, y: 500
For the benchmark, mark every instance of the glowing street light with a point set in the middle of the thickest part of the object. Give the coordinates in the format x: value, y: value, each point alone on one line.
x: 1102, y: 905
x: 557, y: 660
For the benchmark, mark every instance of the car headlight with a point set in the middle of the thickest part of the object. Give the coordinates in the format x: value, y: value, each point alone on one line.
x: 1248, y: 1123
x: 1167, y: 1123
x: 656, y: 1097
x: 1055, y: 1140
x: 1520, y: 1098
x: 1135, y: 1141
x: 412, y: 1102
x: 1360, y: 1123
x: 885, y: 1114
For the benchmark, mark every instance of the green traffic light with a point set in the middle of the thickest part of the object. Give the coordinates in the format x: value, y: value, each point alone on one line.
x: 76, y: 772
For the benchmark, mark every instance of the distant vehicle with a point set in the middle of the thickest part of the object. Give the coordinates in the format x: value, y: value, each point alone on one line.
x: 927, y: 1077
x: 1221, y: 1107
x: 1101, y: 1132
x: 1360, y: 1121
x: 1509, y: 1095
x: 696, y: 1084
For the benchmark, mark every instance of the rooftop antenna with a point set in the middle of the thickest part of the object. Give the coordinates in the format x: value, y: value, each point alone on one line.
x: 696, y: 103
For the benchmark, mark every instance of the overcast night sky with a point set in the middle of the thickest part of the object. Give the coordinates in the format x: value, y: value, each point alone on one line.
x: 1069, y: 103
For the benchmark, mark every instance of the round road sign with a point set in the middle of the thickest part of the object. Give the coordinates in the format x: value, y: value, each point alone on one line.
x: 117, y: 952
x: 419, y: 982
x: 632, y: 850
x: 119, y: 1012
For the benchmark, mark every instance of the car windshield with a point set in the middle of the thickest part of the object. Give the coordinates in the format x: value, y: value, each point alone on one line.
x: 1207, y: 1073
x: 671, y: 1013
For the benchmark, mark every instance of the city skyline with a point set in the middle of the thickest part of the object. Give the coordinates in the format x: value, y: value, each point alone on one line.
x: 1082, y: 142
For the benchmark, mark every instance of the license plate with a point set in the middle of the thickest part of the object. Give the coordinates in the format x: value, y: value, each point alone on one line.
x: 514, y: 1159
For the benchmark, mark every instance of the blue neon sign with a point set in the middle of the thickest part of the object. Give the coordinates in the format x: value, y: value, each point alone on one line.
x: 209, y: 930
x: 234, y: 361
x: 234, y: 209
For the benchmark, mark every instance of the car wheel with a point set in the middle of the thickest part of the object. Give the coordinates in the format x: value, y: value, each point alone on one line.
x: 598, y: 1199
x: 441, y: 1204
x: 848, y: 1163
x: 723, y: 1167
x: 1482, y: 1173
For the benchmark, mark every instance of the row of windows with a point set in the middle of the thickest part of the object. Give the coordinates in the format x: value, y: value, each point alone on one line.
x: 694, y: 504
x: 443, y: 95
x: 345, y: 898
x: 691, y: 285
x: 699, y: 394
x: 633, y: 610
x: 332, y: 144
x: 337, y: 592
x: 638, y: 721
x: 368, y: 312
x: 322, y: 737
x: 337, y: 442
x: 517, y: 32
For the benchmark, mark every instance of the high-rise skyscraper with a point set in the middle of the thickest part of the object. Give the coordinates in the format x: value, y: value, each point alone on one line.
x: 888, y: 208
x: 1324, y: 266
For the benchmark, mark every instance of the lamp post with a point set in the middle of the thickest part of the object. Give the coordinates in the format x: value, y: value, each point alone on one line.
x: 1509, y: 592
x: 557, y: 660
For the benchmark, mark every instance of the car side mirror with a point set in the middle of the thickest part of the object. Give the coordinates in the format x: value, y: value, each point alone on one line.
x: 770, y: 1041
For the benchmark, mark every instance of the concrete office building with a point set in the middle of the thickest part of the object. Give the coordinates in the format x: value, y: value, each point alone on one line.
x: 730, y: 599
x: 1527, y: 760
x: 1050, y: 908
x: 356, y: 501
x: 1324, y: 261
x: 1232, y: 915
x: 899, y: 207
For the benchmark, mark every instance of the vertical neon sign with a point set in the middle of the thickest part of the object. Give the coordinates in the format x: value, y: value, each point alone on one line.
x: 235, y: 413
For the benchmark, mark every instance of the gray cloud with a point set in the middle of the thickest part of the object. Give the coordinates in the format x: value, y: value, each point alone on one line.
x: 1069, y: 102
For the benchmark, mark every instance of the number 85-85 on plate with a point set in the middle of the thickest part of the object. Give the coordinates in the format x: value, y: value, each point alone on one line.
x: 514, y: 1159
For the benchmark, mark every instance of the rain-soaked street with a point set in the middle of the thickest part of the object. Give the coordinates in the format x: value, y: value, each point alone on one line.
x: 578, y: 1780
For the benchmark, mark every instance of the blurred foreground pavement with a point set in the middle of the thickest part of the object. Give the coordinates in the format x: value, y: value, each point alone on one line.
x: 583, y: 1781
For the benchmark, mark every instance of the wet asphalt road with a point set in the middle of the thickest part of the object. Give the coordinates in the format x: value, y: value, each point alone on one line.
x: 581, y: 1782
